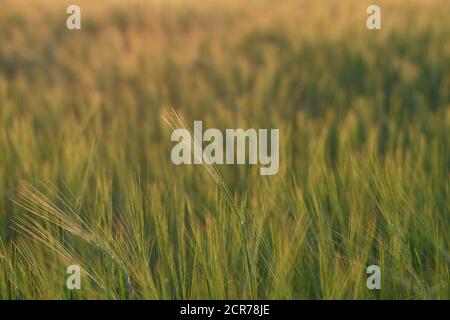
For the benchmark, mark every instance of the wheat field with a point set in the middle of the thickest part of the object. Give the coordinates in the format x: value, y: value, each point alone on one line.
x: 86, y: 176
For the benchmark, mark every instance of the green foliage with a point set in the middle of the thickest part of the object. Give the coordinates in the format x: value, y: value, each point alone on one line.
x: 86, y: 176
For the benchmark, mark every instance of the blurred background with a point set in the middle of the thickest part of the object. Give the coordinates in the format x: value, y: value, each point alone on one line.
x: 364, y: 122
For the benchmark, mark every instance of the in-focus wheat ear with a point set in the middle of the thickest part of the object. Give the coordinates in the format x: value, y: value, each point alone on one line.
x: 175, y: 121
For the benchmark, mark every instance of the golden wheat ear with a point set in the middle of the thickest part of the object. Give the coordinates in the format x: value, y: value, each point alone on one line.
x: 43, y: 210
x: 175, y: 120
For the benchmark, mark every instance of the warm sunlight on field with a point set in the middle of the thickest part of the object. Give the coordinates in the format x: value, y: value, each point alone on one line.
x: 86, y: 175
